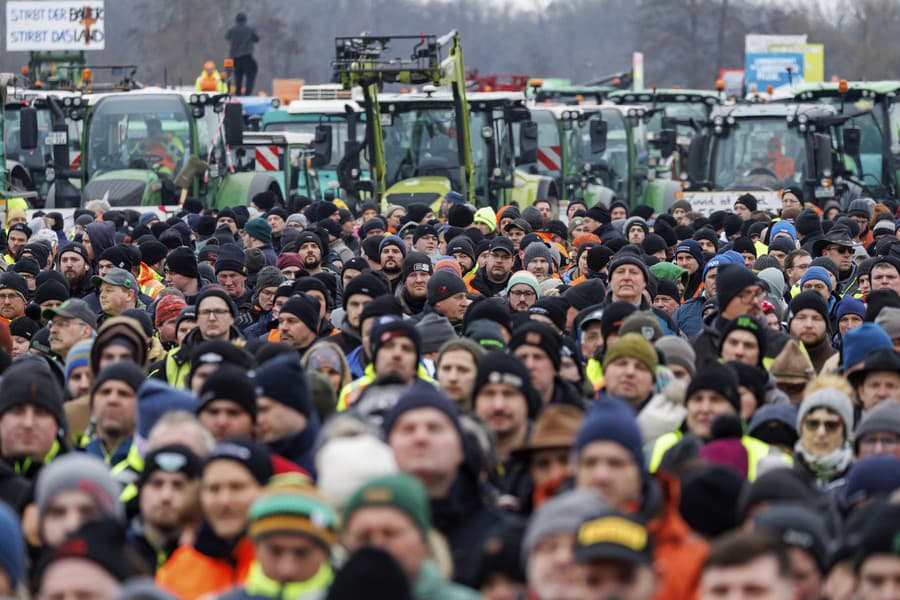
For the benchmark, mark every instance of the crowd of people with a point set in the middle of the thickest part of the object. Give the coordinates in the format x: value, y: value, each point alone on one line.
x: 321, y: 402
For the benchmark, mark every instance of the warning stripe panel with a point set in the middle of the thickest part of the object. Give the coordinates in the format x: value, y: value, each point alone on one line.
x: 550, y: 157
x: 267, y: 158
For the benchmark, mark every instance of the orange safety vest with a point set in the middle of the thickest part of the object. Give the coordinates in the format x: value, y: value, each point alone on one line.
x: 190, y: 574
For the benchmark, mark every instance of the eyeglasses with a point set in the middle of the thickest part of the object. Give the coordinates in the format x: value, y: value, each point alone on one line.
x: 209, y: 312
x: 266, y: 293
x: 748, y: 296
x: 840, y: 249
x: 60, y: 323
x: 887, y: 442
x: 813, y: 425
x: 523, y: 294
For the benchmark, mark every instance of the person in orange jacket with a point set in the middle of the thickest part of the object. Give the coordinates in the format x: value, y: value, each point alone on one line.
x: 609, y: 435
x: 221, y: 554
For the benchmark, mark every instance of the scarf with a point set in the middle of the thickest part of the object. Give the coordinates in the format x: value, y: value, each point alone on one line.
x: 829, y: 466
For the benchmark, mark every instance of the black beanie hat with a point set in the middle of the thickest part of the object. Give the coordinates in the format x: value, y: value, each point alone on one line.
x: 599, y: 213
x: 492, y: 309
x: 461, y: 245
x: 31, y: 382
x: 746, y: 323
x: 732, y: 225
x: 206, y: 226
x: 443, y: 285
x: 389, y: 327
x: 423, y: 395
x: 743, y: 244
x: 102, y: 542
x: 371, y: 569
x: 554, y: 308
x: 171, y: 458
x: 748, y: 200
x: 807, y: 223
x: 25, y: 265
x: 664, y: 287
x: 879, y: 299
x: 652, y: 243
x: 709, y: 498
x: 613, y: 317
x: 460, y: 215
x: 51, y: 290
x: 417, y: 261
x: 539, y: 335
x: 367, y: 284
x: 126, y: 371
x: 182, y: 261
x: 731, y: 279
x: 118, y: 257
x: 811, y: 300
x: 231, y: 258
x: 304, y: 307
x: 666, y: 231
x: 310, y: 283
x: 381, y: 306
x: 585, y: 294
x: 152, y: 251
x: 252, y: 456
x: 753, y: 378
x: 217, y: 292
x: 229, y: 382
x: 720, y: 379
x: 598, y: 257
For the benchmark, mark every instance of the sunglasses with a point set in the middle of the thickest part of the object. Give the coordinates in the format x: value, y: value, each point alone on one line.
x: 813, y: 425
x: 841, y: 249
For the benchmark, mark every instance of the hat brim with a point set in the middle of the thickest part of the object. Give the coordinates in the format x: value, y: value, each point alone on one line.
x: 555, y: 442
x: 611, y: 552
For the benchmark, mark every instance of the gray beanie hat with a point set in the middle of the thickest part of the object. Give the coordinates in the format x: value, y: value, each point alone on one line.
x: 884, y: 417
x: 81, y: 472
x: 268, y: 276
x: 678, y: 351
x: 435, y: 330
x: 832, y: 399
x: 537, y: 250
x: 562, y: 514
x: 889, y: 319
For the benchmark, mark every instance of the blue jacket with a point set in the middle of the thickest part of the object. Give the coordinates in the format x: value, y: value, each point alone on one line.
x: 689, y: 316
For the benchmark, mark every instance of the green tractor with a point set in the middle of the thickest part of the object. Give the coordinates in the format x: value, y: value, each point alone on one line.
x: 503, y: 137
x: 154, y: 147
x: 418, y: 148
x: 877, y: 170
x: 762, y: 148
x: 287, y: 156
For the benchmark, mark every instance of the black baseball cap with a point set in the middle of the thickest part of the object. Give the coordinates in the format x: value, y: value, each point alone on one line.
x: 613, y: 536
x: 502, y: 243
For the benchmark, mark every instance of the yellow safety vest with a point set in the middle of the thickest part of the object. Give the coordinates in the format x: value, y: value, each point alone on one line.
x: 756, y: 451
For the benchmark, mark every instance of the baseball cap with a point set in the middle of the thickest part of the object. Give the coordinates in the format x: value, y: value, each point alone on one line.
x: 613, y: 536
x: 119, y: 277
x: 502, y: 243
x: 73, y: 308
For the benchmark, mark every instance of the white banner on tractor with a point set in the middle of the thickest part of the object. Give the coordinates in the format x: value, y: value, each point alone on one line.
x: 709, y: 202
x: 56, y: 25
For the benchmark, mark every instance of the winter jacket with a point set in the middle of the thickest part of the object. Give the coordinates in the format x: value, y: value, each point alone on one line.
x: 431, y: 586
x: 242, y: 37
x: 478, y: 283
x: 299, y: 447
x: 211, y: 565
x: 175, y: 367
x: 466, y: 521
x: 347, y: 339
x: 689, y: 316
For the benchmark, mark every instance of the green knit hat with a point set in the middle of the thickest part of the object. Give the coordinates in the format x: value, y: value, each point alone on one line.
x: 526, y: 278
x: 632, y: 345
x: 400, y: 491
x: 670, y: 272
x: 291, y: 504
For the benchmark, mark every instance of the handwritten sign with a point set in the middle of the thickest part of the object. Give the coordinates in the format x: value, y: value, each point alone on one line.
x: 709, y: 202
x: 57, y: 25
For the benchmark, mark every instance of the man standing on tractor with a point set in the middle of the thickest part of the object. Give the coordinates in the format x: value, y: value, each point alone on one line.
x: 242, y: 37
x: 210, y: 80
x: 162, y: 151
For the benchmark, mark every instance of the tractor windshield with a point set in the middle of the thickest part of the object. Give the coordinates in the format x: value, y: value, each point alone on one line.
x: 421, y: 142
x: 611, y: 165
x: 139, y: 132
x: 683, y: 112
x: 758, y: 153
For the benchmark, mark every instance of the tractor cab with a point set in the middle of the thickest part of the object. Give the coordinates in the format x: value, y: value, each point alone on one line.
x: 285, y: 155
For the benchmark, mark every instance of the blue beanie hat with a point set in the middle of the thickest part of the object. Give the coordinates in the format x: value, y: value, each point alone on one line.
x: 861, y: 340
x: 693, y: 248
x: 155, y: 399
x: 725, y: 258
x: 611, y: 420
x: 817, y: 273
x: 422, y: 394
x: 79, y: 356
x: 872, y: 477
x: 392, y: 240
x: 12, y: 547
x: 282, y: 379
x: 783, y: 227
x: 850, y: 306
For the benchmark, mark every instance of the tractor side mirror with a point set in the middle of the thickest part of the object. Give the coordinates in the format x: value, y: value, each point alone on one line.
x: 824, y: 165
x: 528, y: 142
x: 517, y: 114
x: 668, y: 141
x: 696, y: 160
x: 852, y: 137
x: 28, y: 128
x: 598, y: 130
x: 321, y: 146
x: 234, y: 124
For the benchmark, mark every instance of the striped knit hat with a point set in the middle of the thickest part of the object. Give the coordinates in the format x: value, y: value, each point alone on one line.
x: 291, y: 504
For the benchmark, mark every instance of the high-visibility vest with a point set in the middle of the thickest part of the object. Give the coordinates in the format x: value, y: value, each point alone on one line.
x: 756, y: 449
